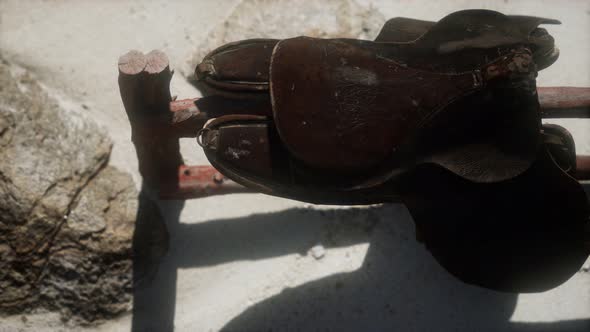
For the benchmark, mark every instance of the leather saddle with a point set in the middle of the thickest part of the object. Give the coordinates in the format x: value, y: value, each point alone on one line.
x: 442, y: 116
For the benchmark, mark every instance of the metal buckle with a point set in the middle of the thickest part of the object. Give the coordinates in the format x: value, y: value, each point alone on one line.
x: 200, y: 135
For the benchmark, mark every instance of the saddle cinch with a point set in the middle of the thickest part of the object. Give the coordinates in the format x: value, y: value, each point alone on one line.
x: 443, y: 117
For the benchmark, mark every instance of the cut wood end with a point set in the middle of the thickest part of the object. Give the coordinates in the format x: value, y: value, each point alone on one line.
x: 157, y: 62
x: 132, y: 63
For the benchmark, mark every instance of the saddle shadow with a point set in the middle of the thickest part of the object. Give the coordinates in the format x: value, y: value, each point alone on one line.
x: 398, y: 287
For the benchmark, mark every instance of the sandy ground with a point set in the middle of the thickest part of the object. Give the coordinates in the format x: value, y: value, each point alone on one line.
x: 246, y: 257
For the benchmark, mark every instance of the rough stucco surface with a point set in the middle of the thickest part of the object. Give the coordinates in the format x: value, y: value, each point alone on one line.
x: 286, y: 19
x: 250, y: 262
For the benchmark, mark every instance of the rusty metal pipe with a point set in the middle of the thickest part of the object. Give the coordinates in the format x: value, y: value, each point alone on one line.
x: 564, y: 102
x: 202, y: 181
x: 555, y: 102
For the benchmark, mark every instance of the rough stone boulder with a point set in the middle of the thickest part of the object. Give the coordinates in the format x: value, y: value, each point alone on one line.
x: 66, y: 218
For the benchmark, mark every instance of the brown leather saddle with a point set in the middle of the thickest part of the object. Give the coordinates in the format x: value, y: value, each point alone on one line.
x: 442, y: 116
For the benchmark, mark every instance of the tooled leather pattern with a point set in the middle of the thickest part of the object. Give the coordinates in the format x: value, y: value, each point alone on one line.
x: 341, y: 107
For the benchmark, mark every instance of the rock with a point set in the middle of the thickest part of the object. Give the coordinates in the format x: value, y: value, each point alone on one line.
x: 317, y: 251
x: 88, y: 272
x: 66, y: 219
x: 286, y: 18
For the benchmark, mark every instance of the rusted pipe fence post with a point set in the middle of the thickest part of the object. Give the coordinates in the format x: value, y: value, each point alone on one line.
x: 157, y: 123
x: 144, y: 83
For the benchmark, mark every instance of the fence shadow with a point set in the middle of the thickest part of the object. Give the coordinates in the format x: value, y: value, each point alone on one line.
x: 398, y: 287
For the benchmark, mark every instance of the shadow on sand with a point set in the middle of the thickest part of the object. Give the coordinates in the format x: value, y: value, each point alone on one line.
x: 398, y: 288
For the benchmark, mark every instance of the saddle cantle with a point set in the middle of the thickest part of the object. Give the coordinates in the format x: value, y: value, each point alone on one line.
x: 442, y: 116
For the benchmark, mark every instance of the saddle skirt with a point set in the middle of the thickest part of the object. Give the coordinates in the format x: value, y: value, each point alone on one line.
x: 340, y: 106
